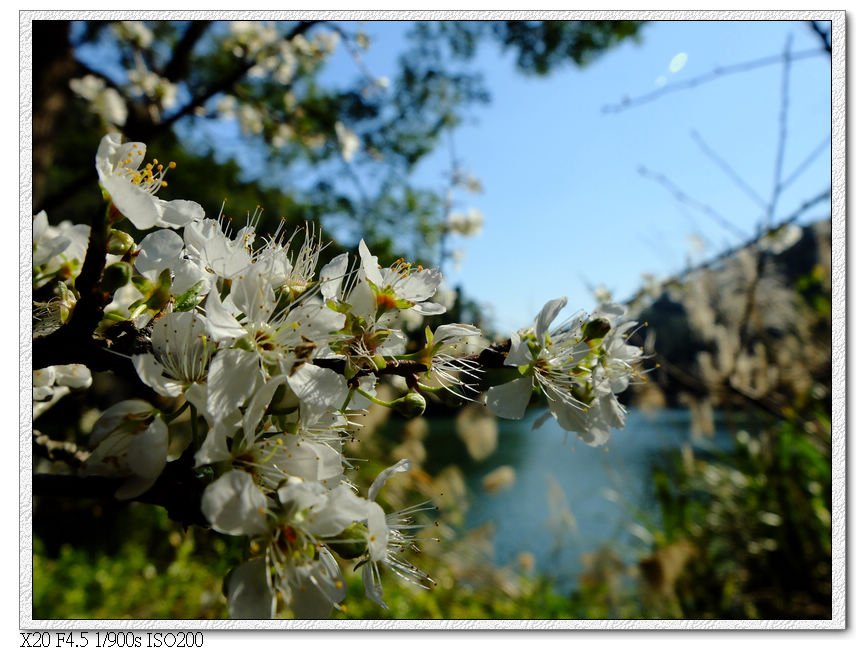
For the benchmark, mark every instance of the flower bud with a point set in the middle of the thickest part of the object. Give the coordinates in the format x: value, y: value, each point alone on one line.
x: 119, y: 242
x: 116, y: 275
x: 411, y: 406
x: 596, y: 329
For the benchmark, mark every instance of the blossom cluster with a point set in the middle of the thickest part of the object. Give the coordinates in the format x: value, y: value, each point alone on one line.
x: 269, y: 351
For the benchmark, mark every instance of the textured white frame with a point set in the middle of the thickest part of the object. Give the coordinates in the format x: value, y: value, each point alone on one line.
x: 839, y: 324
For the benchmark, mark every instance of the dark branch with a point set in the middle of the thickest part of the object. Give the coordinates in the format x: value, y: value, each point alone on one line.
x: 225, y: 83
x: 177, y: 489
x: 177, y: 67
x: 825, y: 35
x: 76, y: 336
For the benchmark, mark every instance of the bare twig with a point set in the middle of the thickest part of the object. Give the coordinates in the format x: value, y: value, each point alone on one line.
x: 777, y: 185
x: 680, y: 196
x: 806, y: 162
x: 729, y: 252
x: 728, y: 169
x: 717, y: 73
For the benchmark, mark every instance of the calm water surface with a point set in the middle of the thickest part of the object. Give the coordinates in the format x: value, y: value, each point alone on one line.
x: 568, y: 498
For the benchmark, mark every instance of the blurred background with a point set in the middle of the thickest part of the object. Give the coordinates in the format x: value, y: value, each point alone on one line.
x: 680, y: 168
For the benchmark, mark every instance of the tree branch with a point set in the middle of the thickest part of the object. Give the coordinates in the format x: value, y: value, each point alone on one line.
x: 728, y: 169
x: 177, y: 67
x: 716, y: 74
x: 178, y: 489
x: 224, y: 84
x: 825, y: 35
x: 680, y: 196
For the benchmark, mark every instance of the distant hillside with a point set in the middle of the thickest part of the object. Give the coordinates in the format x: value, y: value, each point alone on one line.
x: 751, y: 327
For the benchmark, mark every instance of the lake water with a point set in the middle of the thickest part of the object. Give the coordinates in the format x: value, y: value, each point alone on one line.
x: 568, y: 498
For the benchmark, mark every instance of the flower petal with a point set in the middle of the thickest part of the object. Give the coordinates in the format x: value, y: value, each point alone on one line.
x: 248, y: 591
x: 234, y: 505
x: 510, y: 400
x: 546, y: 316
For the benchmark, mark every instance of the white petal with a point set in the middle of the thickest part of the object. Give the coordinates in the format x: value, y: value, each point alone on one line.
x: 362, y: 301
x: 546, y: 316
x: 257, y: 406
x: 359, y: 402
x: 510, y: 400
x: 403, y: 465
x: 214, y: 449
x: 115, y: 416
x: 343, y: 508
x: 150, y: 372
x: 74, y: 375
x: 318, y: 389
x: 133, y: 202
x: 331, y: 276
x: 372, y: 584
x: 429, y: 308
x: 248, y: 591
x: 519, y: 354
x: 159, y: 250
x: 253, y: 295
x: 148, y: 451
x: 419, y: 286
x: 378, y: 533
x: 221, y: 324
x: 233, y: 376
x: 321, y: 587
x: 234, y: 505
x: 178, y: 213
x: 369, y: 265
x: 454, y: 331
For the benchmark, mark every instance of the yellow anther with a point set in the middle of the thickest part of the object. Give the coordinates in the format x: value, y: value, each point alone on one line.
x: 172, y: 165
x: 164, y: 183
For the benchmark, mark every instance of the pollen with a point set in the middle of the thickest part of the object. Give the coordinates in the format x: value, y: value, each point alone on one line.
x: 385, y: 301
x: 150, y: 178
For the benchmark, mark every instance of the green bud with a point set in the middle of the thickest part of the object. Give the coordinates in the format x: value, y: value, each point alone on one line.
x: 161, y: 292
x: 596, y: 329
x: 119, y: 242
x: 116, y: 275
x: 411, y: 406
x: 352, y: 542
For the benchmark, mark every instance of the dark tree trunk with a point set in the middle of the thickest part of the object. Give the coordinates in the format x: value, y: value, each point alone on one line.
x: 53, y: 67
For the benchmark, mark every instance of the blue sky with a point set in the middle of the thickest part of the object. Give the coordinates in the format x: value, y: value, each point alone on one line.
x: 564, y: 204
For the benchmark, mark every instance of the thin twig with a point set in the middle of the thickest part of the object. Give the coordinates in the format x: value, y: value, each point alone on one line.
x: 728, y: 169
x: 707, y: 78
x: 680, y: 196
x: 777, y: 185
x: 806, y: 162
x: 729, y: 252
